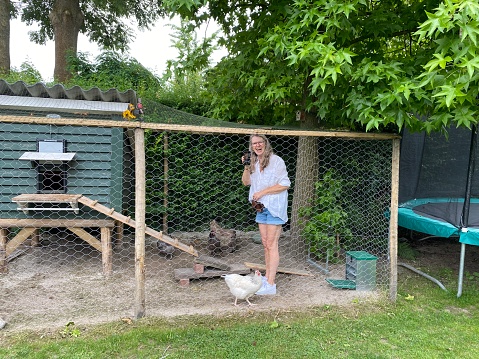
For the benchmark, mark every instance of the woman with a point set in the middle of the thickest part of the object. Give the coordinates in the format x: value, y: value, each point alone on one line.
x: 269, y: 183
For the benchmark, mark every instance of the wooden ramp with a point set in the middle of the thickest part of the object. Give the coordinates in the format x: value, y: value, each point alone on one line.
x: 110, y: 212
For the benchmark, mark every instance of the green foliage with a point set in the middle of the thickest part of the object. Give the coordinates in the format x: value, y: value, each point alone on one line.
x: 70, y: 331
x: 112, y: 70
x: 193, y: 57
x: 203, y: 183
x: 405, y: 251
x: 326, y: 222
x: 184, y: 83
x: 367, y: 65
x: 200, y: 180
x: 473, y: 277
x: 189, y: 96
x: 104, y: 22
x: 26, y: 73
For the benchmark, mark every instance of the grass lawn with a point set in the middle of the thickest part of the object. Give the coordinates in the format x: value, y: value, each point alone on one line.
x: 424, y: 322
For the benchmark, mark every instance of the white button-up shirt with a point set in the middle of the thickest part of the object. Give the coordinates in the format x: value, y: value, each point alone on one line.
x: 275, y: 173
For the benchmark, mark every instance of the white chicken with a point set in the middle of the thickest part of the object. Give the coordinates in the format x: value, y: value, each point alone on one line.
x: 243, y: 286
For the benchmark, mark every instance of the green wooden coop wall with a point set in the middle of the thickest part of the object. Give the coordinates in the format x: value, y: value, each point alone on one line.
x: 95, y: 172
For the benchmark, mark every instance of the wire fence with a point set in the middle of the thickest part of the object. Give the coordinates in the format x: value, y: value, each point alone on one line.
x: 70, y: 205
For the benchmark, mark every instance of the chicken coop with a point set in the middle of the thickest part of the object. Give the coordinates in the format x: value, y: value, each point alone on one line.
x: 159, y: 206
x: 53, y: 175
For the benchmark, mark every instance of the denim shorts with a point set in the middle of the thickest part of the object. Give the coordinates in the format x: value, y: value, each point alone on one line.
x: 267, y: 218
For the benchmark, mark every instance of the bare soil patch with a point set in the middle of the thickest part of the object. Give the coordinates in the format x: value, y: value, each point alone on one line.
x: 61, y: 281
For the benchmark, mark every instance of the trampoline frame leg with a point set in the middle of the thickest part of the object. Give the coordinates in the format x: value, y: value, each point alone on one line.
x: 461, y: 270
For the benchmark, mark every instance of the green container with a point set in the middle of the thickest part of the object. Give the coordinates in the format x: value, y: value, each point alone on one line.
x: 361, y: 268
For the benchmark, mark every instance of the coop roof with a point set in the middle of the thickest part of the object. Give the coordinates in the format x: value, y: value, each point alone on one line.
x: 38, y: 98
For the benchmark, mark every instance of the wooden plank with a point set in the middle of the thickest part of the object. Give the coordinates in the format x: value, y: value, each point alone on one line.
x: 49, y: 223
x: 87, y: 237
x: 18, y: 239
x: 189, y: 273
x: 208, y: 261
x: 106, y: 251
x: 47, y: 198
x: 127, y: 220
x: 280, y: 269
x: 21, y: 249
x: 194, y: 129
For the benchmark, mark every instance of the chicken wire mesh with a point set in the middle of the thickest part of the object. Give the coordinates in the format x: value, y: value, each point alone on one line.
x: 67, y: 248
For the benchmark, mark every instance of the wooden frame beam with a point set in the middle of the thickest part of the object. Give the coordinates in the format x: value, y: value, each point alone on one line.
x: 194, y: 129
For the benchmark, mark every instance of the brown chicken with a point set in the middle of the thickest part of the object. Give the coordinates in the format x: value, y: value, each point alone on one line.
x: 221, y: 241
x: 243, y: 286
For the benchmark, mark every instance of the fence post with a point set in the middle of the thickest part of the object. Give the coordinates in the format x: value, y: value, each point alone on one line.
x: 3, y: 250
x: 140, y: 222
x: 393, y: 221
x: 165, y: 183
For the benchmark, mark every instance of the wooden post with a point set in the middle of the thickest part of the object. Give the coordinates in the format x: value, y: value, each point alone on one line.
x: 140, y: 222
x: 106, y: 252
x: 3, y: 250
x: 35, y: 238
x: 119, y: 227
x: 393, y: 221
x: 165, y: 183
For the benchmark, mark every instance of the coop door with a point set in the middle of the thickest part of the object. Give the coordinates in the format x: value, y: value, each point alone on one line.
x: 51, y: 174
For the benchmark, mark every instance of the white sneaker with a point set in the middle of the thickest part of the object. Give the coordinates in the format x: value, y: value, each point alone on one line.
x: 267, y: 289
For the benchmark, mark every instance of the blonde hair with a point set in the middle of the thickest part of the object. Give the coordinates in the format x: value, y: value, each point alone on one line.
x: 268, y: 151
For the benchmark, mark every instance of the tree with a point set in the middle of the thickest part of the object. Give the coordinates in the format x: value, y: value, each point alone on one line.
x: 367, y: 65
x: 193, y: 57
x: 184, y: 80
x: 113, y: 70
x: 104, y: 22
x: 6, y: 12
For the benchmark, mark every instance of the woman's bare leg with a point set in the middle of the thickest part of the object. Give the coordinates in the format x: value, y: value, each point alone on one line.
x: 270, y: 237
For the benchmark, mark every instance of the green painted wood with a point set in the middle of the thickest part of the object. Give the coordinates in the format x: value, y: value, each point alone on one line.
x: 96, y: 171
x: 117, y: 168
x: 53, y: 130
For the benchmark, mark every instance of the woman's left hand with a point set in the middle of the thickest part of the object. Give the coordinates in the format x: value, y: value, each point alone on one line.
x: 257, y: 196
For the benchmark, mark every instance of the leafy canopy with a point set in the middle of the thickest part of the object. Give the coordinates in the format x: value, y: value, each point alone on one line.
x: 104, y: 21
x: 363, y: 64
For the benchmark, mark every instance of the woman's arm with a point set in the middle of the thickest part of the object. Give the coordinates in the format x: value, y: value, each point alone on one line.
x: 246, y: 176
x: 277, y: 188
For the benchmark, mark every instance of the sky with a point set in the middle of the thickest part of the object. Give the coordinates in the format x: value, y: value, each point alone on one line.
x: 151, y: 48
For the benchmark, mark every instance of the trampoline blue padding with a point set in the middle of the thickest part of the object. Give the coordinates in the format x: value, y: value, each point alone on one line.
x: 441, y: 217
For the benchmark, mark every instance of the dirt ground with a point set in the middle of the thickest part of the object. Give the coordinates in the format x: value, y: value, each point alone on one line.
x: 440, y: 257
x: 51, y: 285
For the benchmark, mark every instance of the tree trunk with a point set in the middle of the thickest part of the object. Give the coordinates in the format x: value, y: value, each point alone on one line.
x: 67, y: 20
x: 4, y: 36
x: 307, y: 168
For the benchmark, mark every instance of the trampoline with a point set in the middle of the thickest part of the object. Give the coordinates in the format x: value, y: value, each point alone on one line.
x: 440, y: 217
x: 439, y: 187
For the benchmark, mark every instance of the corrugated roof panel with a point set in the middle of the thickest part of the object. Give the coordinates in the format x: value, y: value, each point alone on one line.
x: 38, y: 97
x: 49, y: 104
